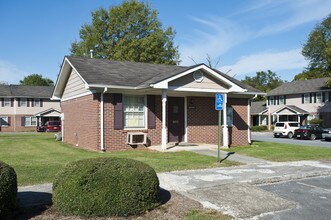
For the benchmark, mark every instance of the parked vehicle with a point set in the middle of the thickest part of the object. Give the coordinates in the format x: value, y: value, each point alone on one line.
x: 309, y: 132
x: 327, y: 134
x: 50, y: 126
x: 285, y: 128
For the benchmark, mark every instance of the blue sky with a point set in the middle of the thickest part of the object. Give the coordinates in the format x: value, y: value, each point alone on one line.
x: 247, y: 35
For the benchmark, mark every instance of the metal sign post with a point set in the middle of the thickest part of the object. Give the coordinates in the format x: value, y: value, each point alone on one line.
x: 219, y: 108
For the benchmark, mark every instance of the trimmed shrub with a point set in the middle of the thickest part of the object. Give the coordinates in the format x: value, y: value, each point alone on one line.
x: 260, y: 128
x: 106, y: 187
x: 8, y: 190
x: 316, y: 121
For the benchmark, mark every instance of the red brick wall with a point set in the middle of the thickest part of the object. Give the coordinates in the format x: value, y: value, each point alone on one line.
x: 116, y: 139
x: 202, y: 121
x: 82, y: 121
x: 238, y: 134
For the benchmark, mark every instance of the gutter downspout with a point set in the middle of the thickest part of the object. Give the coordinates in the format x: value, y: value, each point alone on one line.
x: 102, y: 147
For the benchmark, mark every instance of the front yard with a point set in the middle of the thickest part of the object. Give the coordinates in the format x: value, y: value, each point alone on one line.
x: 36, y: 158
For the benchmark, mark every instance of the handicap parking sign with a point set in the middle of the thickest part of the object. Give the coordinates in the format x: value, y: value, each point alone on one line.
x: 219, y: 102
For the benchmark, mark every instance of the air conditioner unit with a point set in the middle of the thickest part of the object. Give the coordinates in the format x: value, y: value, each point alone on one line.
x: 135, y: 138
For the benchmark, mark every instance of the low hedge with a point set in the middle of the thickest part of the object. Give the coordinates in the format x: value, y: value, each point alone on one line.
x: 8, y: 190
x: 260, y: 128
x: 106, y: 187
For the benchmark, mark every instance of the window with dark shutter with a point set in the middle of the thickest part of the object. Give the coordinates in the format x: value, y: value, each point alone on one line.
x: 2, y: 102
x: 311, y: 98
x: 41, y: 103
x: 302, y: 98
x: 12, y: 102
x: 19, y: 102
x: 151, y: 111
x: 323, y: 97
x: 9, y: 121
x: 118, y: 112
x: 284, y: 99
x: 315, y: 97
x: 22, y: 121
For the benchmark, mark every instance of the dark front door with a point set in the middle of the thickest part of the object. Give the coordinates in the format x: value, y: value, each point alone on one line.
x: 176, y: 119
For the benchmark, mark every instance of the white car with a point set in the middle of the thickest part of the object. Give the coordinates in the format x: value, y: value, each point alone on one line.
x: 285, y: 128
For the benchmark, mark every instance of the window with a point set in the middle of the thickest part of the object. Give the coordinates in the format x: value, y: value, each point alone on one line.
x: 306, y: 98
x: 4, y: 122
x: 30, y: 121
x: 272, y: 100
x: 37, y: 102
x: 7, y: 102
x: 281, y: 100
x: 24, y: 102
x: 318, y: 97
x: 134, y: 111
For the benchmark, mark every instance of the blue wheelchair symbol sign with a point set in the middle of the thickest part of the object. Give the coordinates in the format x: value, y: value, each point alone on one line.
x: 219, y: 102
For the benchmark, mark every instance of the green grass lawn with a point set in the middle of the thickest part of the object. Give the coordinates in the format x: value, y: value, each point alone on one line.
x: 36, y: 158
x: 283, y: 152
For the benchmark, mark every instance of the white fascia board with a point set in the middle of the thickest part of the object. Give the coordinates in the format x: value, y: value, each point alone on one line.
x: 115, y: 87
x: 233, y: 87
x: 77, y: 96
x: 62, y: 79
x: 181, y: 89
x: 284, y: 107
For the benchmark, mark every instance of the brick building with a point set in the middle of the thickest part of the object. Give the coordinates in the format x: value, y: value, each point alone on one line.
x: 104, y: 102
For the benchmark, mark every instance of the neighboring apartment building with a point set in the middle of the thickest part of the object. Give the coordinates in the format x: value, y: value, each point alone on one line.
x: 299, y: 101
x: 23, y: 108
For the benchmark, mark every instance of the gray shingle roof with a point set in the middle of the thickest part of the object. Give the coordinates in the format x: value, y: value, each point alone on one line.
x: 258, y: 107
x: 133, y: 74
x: 300, y: 86
x: 26, y: 91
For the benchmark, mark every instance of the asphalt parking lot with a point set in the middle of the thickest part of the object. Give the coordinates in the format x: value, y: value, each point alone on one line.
x: 313, y: 198
x: 268, y: 137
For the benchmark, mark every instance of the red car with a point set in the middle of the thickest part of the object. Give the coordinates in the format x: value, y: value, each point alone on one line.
x: 50, y: 126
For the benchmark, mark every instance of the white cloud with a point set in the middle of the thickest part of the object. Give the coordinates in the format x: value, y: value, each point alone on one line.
x: 10, y: 73
x: 299, y: 13
x: 216, y: 37
x: 273, y: 60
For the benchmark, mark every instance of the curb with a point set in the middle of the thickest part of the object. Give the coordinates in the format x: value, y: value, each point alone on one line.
x: 290, y: 177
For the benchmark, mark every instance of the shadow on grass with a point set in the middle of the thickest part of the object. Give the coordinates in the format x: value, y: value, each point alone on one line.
x: 227, y: 155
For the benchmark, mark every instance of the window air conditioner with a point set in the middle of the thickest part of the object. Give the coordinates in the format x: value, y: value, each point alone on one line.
x: 135, y: 138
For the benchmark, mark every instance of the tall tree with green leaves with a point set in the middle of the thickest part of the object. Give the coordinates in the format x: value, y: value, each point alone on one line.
x: 130, y: 31
x: 36, y: 80
x: 264, y: 81
x: 317, y: 50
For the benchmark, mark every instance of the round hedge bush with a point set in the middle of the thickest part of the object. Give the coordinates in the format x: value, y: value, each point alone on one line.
x: 8, y: 190
x: 106, y: 187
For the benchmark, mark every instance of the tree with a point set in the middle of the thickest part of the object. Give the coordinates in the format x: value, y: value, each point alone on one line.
x: 130, y: 31
x: 263, y: 81
x: 317, y: 50
x: 36, y: 80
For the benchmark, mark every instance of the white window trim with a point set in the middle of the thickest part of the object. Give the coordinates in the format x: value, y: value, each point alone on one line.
x: 145, y: 114
x: 306, y: 95
x: 320, y: 99
x: 7, y: 100
x: 23, y: 100
x: 6, y: 121
x: 34, y: 102
x: 281, y: 100
x: 25, y: 125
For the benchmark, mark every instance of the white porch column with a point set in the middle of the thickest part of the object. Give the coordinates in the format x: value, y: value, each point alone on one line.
x: 259, y: 116
x: 225, y: 123
x: 299, y: 118
x: 164, y: 113
x: 277, y: 117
